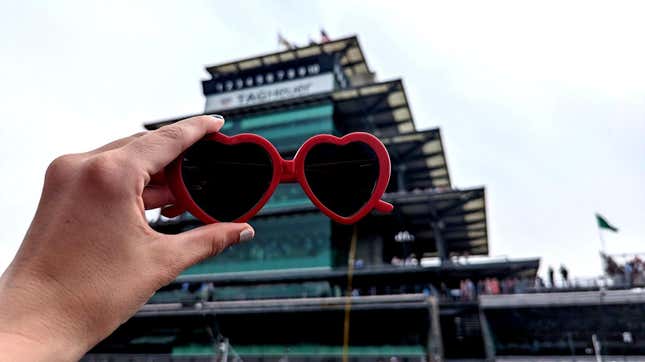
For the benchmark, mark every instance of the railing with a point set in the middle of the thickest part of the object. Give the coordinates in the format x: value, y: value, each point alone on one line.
x: 468, y: 292
x: 528, y: 286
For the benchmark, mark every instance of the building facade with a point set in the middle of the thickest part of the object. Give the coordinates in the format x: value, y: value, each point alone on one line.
x: 310, y: 289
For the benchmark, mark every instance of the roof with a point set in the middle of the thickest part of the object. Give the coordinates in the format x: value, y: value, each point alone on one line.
x: 418, y: 161
x: 494, y: 268
x: 574, y: 299
x: 381, y: 108
x: 457, y: 216
x: 352, y: 59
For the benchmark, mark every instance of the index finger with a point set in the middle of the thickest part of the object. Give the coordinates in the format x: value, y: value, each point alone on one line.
x: 156, y: 149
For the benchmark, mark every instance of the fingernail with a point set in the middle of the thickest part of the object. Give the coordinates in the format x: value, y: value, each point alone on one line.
x: 219, y: 116
x: 247, y: 234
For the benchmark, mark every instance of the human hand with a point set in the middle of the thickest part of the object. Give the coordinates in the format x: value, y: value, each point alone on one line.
x: 90, y: 260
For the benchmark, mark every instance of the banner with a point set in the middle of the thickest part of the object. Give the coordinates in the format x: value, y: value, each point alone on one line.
x: 270, y: 93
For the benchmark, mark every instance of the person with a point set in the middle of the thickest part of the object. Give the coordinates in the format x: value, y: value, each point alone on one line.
x: 481, y: 287
x: 539, y: 283
x: 444, y: 290
x: 551, y: 277
x: 628, y: 269
x: 565, y: 275
x: 470, y: 289
x: 494, y: 286
x: 89, y: 259
x: 488, y: 286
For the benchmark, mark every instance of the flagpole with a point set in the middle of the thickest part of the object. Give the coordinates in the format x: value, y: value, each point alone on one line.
x: 604, y: 224
x: 603, y: 256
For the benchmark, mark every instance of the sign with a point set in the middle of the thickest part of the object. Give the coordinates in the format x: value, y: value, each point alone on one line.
x: 295, y: 88
x: 263, y: 76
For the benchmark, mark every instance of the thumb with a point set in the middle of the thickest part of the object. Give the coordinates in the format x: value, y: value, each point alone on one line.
x: 193, y: 246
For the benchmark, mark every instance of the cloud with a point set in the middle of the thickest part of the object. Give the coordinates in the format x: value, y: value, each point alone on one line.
x: 543, y: 104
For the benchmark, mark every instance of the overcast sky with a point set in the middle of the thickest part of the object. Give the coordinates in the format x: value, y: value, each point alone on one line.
x: 543, y: 104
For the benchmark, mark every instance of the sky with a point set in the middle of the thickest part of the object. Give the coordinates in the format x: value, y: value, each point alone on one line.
x: 542, y: 103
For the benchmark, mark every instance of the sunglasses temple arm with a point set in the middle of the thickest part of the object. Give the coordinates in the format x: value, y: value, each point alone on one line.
x: 172, y: 211
x: 384, y: 207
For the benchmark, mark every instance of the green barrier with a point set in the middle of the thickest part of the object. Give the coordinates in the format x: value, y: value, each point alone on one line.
x: 308, y: 350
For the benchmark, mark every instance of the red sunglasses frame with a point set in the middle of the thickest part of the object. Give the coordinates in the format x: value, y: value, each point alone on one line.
x: 285, y: 171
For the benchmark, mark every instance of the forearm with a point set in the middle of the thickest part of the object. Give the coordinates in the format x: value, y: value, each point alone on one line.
x: 32, y: 326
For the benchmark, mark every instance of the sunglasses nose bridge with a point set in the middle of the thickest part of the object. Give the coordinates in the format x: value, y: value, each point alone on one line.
x: 288, y: 171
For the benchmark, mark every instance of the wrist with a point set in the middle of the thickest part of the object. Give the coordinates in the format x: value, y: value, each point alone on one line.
x: 33, y: 327
x: 16, y: 347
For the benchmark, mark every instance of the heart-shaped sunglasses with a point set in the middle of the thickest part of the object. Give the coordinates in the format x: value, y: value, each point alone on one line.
x: 222, y: 178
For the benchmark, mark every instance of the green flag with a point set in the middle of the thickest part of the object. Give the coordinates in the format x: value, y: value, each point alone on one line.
x: 604, y: 224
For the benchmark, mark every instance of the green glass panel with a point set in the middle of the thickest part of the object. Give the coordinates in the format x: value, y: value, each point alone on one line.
x: 281, y: 242
x: 193, y: 350
x: 316, y: 350
x: 172, y: 296
x: 228, y: 125
x: 301, y: 290
x: 296, y: 241
x: 287, y: 195
x: 280, y: 118
x: 306, y: 129
x: 154, y: 340
x: 287, y: 130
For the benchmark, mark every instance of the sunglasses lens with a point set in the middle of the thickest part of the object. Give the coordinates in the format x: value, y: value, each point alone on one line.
x: 342, y: 177
x: 226, y: 181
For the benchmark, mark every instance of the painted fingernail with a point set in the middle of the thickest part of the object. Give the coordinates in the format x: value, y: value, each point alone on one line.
x: 247, y: 234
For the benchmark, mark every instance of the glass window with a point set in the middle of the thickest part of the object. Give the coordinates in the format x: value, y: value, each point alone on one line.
x: 281, y: 242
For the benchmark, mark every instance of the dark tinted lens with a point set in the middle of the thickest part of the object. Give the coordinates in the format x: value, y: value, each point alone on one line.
x: 342, y: 177
x: 226, y: 181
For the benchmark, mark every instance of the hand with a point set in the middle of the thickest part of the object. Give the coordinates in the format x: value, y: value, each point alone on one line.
x: 90, y: 260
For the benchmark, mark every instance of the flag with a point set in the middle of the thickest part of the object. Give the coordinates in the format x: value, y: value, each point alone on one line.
x: 284, y: 42
x: 324, y: 38
x: 604, y: 224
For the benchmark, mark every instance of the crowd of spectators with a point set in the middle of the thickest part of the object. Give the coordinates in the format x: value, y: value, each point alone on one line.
x: 630, y: 273
x: 470, y: 290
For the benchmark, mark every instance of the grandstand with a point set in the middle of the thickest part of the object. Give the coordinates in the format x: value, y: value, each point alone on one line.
x: 564, y: 323
x: 293, y: 291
